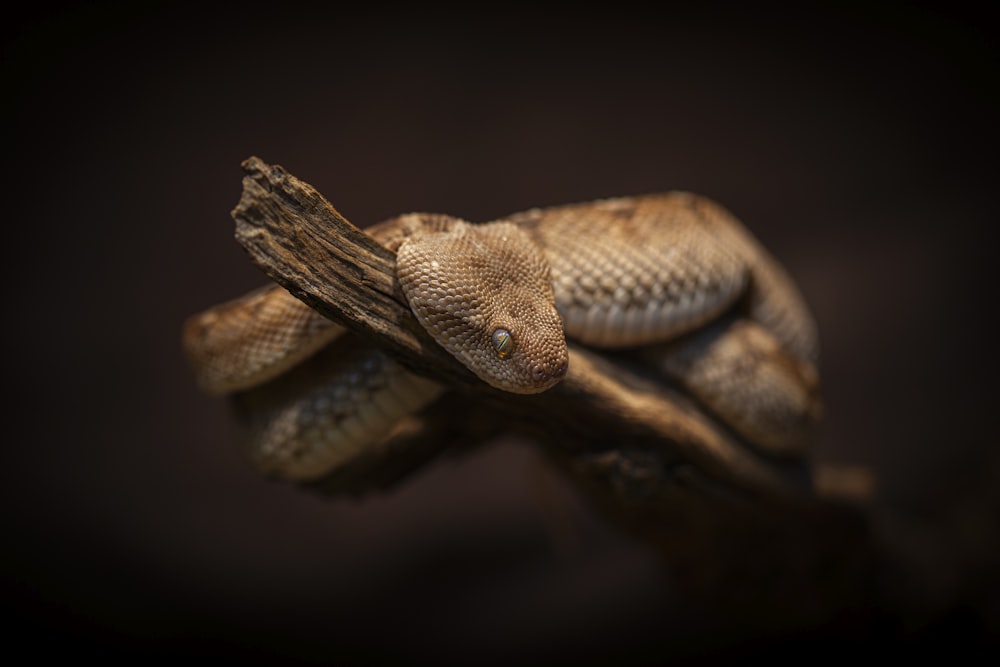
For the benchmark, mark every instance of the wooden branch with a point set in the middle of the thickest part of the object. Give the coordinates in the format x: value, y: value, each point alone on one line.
x: 299, y: 240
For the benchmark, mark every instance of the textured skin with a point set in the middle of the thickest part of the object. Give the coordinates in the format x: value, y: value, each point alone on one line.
x: 501, y: 282
x: 248, y: 341
x: 641, y: 271
x: 637, y: 270
x: 303, y: 422
x: 674, y: 275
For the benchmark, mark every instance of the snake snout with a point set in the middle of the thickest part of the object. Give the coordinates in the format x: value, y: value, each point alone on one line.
x: 554, y: 371
x: 547, y: 373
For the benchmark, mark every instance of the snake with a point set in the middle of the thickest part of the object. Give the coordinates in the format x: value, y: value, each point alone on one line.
x: 673, y: 278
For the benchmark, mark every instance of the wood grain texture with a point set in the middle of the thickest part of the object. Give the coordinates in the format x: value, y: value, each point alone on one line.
x: 299, y: 240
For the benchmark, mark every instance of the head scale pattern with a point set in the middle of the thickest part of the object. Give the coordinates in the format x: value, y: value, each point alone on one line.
x: 484, y: 292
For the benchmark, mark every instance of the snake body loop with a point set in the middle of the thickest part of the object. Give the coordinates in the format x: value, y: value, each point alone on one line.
x: 675, y: 276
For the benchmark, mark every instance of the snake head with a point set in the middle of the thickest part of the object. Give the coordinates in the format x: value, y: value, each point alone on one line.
x: 484, y: 293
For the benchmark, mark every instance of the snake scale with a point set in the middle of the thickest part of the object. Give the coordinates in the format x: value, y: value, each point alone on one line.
x: 674, y: 277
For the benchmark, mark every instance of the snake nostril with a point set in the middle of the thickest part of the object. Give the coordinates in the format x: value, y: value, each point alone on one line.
x: 549, y: 371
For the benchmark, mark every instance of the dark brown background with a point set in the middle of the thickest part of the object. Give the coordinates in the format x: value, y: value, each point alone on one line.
x: 860, y: 145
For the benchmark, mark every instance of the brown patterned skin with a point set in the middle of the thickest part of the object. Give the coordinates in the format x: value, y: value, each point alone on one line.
x: 660, y: 272
x: 501, y: 284
x: 245, y: 342
x: 674, y: 275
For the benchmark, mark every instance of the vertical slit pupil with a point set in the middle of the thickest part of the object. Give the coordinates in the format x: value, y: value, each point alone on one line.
x: 503, y: 343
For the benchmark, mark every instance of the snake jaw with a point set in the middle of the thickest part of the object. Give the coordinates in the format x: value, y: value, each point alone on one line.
x: 484, y: 293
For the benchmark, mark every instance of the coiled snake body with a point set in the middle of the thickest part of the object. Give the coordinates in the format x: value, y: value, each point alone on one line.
x: 674, y: 276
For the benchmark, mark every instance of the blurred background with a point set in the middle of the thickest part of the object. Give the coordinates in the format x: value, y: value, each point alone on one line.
x: 859, y: 144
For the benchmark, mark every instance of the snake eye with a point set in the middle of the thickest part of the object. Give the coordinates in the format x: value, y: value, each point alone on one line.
x: 503, y: 343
